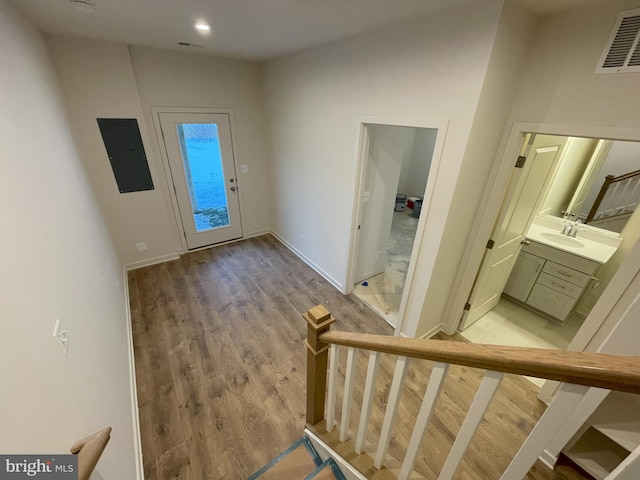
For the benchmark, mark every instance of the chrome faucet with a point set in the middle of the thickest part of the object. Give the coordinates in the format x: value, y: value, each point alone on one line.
x: 574, y: 229
x: 570, y: 229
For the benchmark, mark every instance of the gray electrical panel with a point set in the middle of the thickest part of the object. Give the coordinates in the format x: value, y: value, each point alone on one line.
x: 121, y: 137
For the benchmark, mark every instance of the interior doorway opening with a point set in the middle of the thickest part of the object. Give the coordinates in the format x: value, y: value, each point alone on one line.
x: 539, y: 277
x: 396, y: 164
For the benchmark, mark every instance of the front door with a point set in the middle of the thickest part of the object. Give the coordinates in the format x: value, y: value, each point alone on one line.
x: 200, y: 155
x: 518, y: 209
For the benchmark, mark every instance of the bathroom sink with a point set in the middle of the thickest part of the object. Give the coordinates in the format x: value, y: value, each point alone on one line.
x: 561, y: 239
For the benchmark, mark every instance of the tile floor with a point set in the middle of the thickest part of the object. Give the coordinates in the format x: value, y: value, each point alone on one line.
x: 383, y: 292
x: 511, y: 324
x: 507, y: 324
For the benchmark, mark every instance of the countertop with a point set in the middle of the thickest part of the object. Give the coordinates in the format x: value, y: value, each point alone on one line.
x: 598, y: 251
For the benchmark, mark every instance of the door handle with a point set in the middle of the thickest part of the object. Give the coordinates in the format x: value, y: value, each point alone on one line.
x: 525, y: 242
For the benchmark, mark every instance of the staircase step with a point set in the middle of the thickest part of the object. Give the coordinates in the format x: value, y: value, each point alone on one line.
x: 362, y: 462
x: 299, y: 461
x: 326, y: 471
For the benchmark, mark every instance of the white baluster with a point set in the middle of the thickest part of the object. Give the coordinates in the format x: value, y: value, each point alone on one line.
x: 367, y: 400
x: 431, y: 394
x: 631, y: 201
x: 334, y: 355
x: 553, y: 419
x: 392, y: 408
x: 347, y: 397
x: 481, y: 401
x: 608, y: 200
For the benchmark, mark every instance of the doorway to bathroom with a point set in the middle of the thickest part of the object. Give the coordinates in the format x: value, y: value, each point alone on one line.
x: 536, y: 285
x: 396, y: 163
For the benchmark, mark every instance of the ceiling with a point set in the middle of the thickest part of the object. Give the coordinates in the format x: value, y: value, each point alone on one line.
x: 251, y: 29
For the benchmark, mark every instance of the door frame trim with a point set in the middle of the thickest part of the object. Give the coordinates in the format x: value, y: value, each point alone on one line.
x: 491, y: 202
x: 411, y: 297
x: 155, y: 114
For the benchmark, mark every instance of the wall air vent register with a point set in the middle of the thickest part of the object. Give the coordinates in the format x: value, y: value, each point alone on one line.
x: 622, y: 52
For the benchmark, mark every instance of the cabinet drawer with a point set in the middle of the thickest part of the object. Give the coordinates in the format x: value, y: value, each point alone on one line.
x: 560, y: 285
x: 566, y: 273
x: 550, y: 301
x: 561, y: 257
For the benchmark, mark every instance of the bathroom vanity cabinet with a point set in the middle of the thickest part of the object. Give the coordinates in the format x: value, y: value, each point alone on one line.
x: 549, y: 280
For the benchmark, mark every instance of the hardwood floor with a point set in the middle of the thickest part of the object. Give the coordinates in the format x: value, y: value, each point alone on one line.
x: 220, y: 364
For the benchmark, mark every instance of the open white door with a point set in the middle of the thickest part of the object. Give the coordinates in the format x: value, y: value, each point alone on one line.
x: 524, y: 194
x: 590, y: 175
x: 387, y: 149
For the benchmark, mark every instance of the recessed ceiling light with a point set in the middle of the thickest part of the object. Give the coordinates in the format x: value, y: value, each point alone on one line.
x: 84, y: 6
x: 203, y: 27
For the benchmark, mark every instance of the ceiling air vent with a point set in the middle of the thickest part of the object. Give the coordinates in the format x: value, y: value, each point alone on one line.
x: 622, y: 53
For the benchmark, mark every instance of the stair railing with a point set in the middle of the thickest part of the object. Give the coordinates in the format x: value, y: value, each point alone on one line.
x: 622, y: 198
x: 89, y: 450
x: 577, y: 370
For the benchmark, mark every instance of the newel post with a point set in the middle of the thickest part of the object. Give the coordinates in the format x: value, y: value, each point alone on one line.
x: 319, y: 320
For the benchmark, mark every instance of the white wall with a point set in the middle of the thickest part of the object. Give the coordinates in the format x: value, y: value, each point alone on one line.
x: 417, y: 173
x: 429, y: 69
x: 441, y: 262
x: 629, y: 234
x: 568, y: 174
x: 57, y: 262
x: 559, y: 86
x: 174, y: 79
x: 97, y: 80
x: 106, y: 79
x: 624, y: 157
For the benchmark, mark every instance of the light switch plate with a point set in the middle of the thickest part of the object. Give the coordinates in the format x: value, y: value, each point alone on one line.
x: 61, y: 337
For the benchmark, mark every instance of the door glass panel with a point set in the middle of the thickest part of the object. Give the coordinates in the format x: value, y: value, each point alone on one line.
x: 202, y: 162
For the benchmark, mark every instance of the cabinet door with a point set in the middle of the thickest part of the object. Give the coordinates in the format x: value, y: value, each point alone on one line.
x: 523, y: 276
x: 551, y: 302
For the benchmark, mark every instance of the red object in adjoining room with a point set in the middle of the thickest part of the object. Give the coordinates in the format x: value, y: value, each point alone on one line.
x: 410, y: 202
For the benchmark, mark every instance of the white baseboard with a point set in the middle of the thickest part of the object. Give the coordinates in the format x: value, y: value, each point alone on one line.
x: 137, y: 437
x: 257, y: 233
x: 432, y: 332
x: 151, y: 261
x: 325, y: 451
x: 548, y: 459
x: 306, y: 260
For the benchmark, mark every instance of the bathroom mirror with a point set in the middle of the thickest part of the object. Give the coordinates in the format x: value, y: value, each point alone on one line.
x: 596, y: 181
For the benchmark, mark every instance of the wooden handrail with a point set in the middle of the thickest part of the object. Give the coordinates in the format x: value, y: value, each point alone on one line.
x: 614, y: 372
x: 89, y: 450
x: 625, y: 176
x: 608, y: 181
x: 577, y: 371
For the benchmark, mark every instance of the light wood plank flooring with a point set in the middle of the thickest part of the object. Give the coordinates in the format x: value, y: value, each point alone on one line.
x: 220, y: 364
